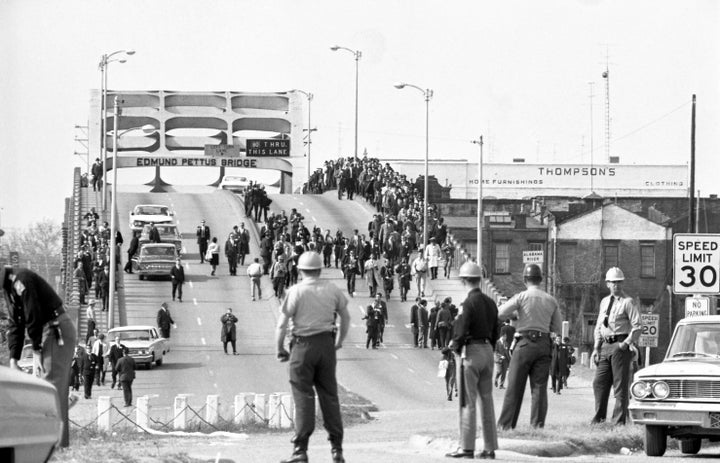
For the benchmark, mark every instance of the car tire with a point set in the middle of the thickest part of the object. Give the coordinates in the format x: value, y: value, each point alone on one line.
x: 159, y: 362
x: 690, y: 446
x: 141, y: 277
x: 655, y: 440
x: 151, y: 364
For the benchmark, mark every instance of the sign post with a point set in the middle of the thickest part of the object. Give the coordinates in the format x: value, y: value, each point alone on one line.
x: 649, y: 333
x: 696, y: 260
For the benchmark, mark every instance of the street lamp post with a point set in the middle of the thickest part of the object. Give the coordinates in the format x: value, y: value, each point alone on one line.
x: 113, y: 209
x: 104, y: 61
x: 428, y: 94
x: 357, y: 54
x: 310, y: 130
x: 480, y: 221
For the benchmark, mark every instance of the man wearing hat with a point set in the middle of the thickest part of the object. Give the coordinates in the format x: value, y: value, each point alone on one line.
x: 313, y: 306
x: 203, y: 235
x: 177, y: 275
x: 36, y: 311
x: 164, y: 321
x: 475, y: 334
x: 538, y: 315
x: 97, y: 174
x: 277, y: 276
x: 618, y: 326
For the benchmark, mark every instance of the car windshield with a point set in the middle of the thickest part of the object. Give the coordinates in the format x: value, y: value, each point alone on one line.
x: 133, y: 335
x: 159, y: 251
x: 167, y: 230
x: 236, y: 179
x: 151, y: 210
x: 698, y: 340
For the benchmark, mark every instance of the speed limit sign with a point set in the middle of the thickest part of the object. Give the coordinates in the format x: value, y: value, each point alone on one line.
x: 696, y: 262
x: 649, y: 331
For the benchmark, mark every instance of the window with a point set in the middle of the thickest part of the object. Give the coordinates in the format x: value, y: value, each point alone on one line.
x: 647, y: 261
x: 610, y: 256
x: 566, y: 262
x: 502, y: 257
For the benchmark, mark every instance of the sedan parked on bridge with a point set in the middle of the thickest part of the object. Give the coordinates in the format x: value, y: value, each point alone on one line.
x: 168, y: 234
x: 143, y: 214
x: 234, y: 183
x: 143, y: 342
x: 155, y: 259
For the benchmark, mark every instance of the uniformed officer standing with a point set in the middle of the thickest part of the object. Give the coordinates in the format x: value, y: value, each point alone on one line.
x: 36, y: 308
x: 538, y: 314
x: 618, y: 326
x: 313, y: 305
x: 475, y: 333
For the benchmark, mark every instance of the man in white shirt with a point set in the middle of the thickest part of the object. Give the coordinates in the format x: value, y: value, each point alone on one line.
x: 255, y: 272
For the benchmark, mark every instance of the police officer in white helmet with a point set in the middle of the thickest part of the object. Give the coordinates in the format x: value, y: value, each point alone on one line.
x: 313, y: 305
x: 475, y: 332
x: 617, y: 327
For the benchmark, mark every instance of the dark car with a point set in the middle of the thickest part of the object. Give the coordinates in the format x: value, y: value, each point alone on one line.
x: 155, y: 259
x: 168, y: 234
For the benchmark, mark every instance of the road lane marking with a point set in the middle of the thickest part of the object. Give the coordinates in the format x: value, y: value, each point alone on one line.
x: 428, y: 383
x: 195, y: 301
x: 314, y: 219
x: 300, y: 202
x: 395, y: 356
x: 411, y: 370
x: 307, y: 210
x: 202, y: 340
x: 199, y: 321
x: 190, y: 283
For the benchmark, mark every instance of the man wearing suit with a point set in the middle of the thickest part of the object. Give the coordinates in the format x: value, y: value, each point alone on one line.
x: 164, y: 321
x: 126, y: 375
x: 177, y: 274
x: 154, y: 234
x: 132, y: 250
x: 104, y: 285
x: 113, y: 355
x: 203, y: 235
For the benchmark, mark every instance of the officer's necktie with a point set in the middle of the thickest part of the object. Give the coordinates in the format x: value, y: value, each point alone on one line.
x: 607, y: 312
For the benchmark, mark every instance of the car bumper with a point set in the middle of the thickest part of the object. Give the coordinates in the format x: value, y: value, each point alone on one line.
x: 142, y: 358
x: 154, y: 271
x: 704, y: 415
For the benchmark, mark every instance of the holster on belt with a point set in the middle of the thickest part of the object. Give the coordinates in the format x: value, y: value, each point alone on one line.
x: 55, y: 327
x: 461, y: 382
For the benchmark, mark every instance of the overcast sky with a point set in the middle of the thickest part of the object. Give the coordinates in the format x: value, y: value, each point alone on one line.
x: 516, y: 72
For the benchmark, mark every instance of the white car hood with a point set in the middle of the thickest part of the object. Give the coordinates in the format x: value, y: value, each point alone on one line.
x: 137, y: 344
x: 155, y: 218
x: 682, y: 368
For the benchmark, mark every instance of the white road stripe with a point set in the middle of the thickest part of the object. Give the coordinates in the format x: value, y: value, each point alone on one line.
x: 394, y: 356
x: 307, y: 210
x: 194, y: 301
x: 314, y: 219
x: 202, y: 340
x: 411, y: 370
x: 190, y: 283
x: 300, y: 203
x: 428, y: 383
x: 199, y: 321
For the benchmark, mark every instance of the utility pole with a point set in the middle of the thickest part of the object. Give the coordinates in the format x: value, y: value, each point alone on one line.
x: 691, y: 216
x: 606, y: 76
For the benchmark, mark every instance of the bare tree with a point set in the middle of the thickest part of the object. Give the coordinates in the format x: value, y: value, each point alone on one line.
x: 40, y: 248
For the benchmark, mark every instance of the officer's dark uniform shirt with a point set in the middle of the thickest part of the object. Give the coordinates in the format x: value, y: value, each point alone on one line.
x: 478, y: 319
x: 32, y: 302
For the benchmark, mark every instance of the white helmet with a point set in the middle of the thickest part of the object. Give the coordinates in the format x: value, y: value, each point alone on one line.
x: 310, y: 260
x: 470, y: 270
x: 614, y: 274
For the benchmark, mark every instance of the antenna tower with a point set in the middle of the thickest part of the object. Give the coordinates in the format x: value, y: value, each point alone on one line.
x: 606, y: 76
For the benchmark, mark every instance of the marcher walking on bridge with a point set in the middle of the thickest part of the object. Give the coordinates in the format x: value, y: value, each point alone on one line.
x: 126, y: 375
x: 228, y: 332
x: 231, y: 252
x: 255, y: 271
x: 132, y: 250
x: 618, y: 327
x: 351, y: 268
x: 538, y: 314
x: 476, y: 331
x: 36, y: 310
x: 432, y: 256
x: 203, y: 235
x: 419, y: 271
x: 177, y: 275
x: 164, y: 321
x: 313, y: 306
x: 213, y: 255
x: 243, y: 243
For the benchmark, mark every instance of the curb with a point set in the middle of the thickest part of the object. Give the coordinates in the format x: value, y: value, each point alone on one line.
x: 527, y: 447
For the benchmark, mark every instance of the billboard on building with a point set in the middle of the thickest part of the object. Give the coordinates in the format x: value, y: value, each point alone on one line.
x: 521, y: 180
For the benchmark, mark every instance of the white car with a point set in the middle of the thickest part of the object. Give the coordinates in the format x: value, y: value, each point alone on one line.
x: 144, y: 343
x: 143, y: 214
x: 30, y: 423
x: 234, y: 183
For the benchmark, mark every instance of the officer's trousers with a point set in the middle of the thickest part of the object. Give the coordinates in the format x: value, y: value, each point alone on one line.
x: 613, y: 371
x: 530, y: 358
x: 477, y: 387
x: 312, y: 365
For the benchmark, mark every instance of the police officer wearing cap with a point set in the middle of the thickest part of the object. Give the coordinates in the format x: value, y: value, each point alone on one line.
x: 313, y: 306
x: 36, y: 309
x: 618, y: 326
x: 538, y: 314
x: 475, y: 334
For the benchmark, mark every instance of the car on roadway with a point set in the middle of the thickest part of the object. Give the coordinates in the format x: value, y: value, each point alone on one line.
x: 154, y: 259
x: 30, y: 423
x: 144, y: 343
x: 234, y: 183
x: 145, y: 213
x: 680, y: 397
x: 168, y: 234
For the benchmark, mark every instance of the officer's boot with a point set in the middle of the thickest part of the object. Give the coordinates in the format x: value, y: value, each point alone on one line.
x: 299, y: 454
x: 336, y: 449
